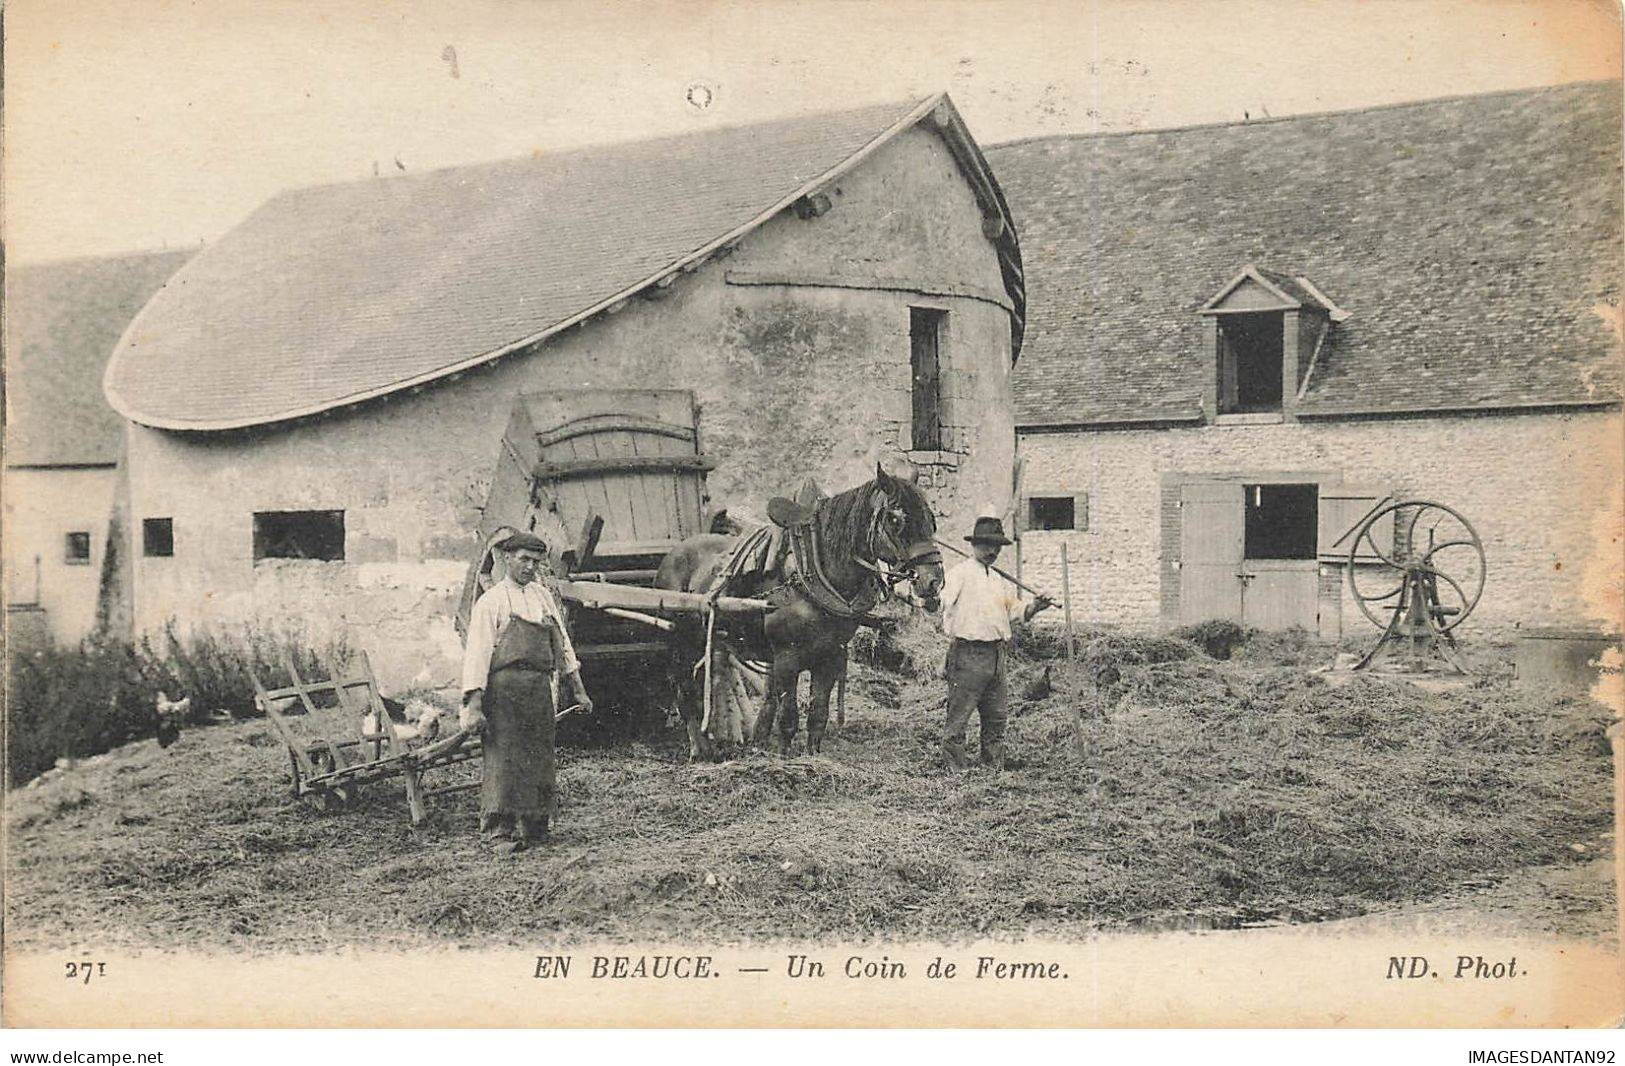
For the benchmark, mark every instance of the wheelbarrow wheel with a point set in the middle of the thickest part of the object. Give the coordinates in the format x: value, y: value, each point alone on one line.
x: 330, y: 798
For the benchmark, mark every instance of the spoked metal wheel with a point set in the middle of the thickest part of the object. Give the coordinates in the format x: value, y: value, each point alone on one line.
x: 1416, y: 569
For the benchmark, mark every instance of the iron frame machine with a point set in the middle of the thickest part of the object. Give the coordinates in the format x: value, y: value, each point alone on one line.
x: 1420, y: 586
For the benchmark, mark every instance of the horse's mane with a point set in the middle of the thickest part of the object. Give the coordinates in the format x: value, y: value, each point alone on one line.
x: 843, y: 520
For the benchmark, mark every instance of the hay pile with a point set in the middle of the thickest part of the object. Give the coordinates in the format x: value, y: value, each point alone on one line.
x: 1213, y: 793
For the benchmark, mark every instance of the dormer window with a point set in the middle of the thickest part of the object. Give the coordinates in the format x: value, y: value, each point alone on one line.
x: 1265, y: 330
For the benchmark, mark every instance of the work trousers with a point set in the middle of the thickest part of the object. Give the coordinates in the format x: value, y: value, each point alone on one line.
x: 976, y: 682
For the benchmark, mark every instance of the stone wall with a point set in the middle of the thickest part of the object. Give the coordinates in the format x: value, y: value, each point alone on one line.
x: 1542, y: 489
x: 796, y: 345
x: 42, y: 505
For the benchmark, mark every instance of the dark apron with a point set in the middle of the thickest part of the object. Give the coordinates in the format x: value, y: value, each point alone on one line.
x: 518, y: 768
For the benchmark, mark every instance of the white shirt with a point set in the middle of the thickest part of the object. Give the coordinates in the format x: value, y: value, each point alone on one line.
x: 501, y: 602
x: 978, y: 604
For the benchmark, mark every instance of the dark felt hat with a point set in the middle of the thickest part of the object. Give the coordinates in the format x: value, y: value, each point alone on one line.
x: 524, y: 540
x: 989, y: 530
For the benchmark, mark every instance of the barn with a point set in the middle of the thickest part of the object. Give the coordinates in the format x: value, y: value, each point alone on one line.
x: 1241, y: 336
x: 316, y: 402
x: 63, y: 442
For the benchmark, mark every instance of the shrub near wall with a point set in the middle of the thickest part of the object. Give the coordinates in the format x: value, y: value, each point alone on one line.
x: 81, y: 701
x: 77, y: 702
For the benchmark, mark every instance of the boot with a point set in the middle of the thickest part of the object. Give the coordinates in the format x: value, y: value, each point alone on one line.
x: 954, y: 752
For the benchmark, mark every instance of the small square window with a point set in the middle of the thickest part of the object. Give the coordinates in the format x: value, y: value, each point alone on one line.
x: 1058, y: 512
x: 157, y: 537
x: 1281, y: 521
x: 299, y: 535
x: 78, y: 548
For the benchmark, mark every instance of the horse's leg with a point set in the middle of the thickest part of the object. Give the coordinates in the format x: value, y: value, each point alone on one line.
x: 684, y: 686
x: 781, y: 698
x: 825, y: 671
x: 762, y: 728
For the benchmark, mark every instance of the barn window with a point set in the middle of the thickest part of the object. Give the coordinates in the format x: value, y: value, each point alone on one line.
x: 926, y: 326
x: 77, y: 548
x: 1250, y: 353
x: 299, y: 535
x: 157, y: 537
x: 1058, y: 512
x: 1282, y: 522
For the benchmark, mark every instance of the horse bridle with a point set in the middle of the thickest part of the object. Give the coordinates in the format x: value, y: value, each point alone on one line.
x: 901, y: 563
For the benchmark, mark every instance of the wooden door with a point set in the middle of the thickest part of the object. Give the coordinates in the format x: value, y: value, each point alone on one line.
x: 1210, y: 550
x: 1280, y: 594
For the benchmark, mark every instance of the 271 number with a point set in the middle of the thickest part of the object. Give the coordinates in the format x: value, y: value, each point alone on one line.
x: 85, y: 970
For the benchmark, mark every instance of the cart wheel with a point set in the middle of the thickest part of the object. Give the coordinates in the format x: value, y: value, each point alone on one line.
x: 332, y: 798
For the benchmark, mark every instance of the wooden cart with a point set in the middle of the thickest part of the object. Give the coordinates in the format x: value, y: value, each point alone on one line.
x: 613, y: 480
x: 329, y: 771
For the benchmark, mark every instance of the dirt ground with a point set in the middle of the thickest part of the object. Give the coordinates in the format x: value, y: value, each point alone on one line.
x: 1208, y: 795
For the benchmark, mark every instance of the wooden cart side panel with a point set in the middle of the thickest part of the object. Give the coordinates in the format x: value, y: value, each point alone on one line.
x: 310, y: 708
x: 296, y: 749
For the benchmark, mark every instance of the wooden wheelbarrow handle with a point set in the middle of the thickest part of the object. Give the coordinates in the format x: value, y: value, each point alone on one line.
x: 455, y: 741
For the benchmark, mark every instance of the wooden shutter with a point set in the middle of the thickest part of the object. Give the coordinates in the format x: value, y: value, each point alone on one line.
x: 1342, y: 509
x: 925, y: 326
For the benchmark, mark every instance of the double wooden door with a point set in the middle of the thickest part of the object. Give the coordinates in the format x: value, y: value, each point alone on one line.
x: 1217, y: 580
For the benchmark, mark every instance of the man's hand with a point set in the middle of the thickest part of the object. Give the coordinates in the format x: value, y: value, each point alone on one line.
x: 583, y: 700
x: 472, y: 717
x: 1041, y: 603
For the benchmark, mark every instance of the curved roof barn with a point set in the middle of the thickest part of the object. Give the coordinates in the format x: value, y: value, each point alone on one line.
x: 336, y: 294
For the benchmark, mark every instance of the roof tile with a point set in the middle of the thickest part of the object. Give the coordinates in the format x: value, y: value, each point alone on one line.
x: 62, y: 320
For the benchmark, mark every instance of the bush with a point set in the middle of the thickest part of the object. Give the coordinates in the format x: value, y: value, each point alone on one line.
x: 78, y: 702
x: 81, y: 701
x: 213, y: 666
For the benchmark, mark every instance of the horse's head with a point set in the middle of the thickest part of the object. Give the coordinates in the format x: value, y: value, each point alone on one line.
x: 905, y: 535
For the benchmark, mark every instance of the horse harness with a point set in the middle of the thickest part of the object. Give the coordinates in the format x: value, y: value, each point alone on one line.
x: 805, y: 570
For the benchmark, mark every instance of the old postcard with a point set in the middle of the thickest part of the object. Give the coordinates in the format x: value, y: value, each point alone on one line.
x: 808, y: 514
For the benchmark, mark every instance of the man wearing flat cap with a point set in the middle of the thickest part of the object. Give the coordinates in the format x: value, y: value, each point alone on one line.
x: 516, y: 643
x: 978, y: 606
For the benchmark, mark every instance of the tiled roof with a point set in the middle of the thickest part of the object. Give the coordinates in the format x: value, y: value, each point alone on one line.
x: 61, y: 322
x: 1475, y: 243
x: 331, y: 295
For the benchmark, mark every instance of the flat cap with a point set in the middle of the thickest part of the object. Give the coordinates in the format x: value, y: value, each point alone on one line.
x: 524, y: 540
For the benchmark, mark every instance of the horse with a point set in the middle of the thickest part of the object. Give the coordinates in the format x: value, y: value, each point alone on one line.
x: 862, y: 543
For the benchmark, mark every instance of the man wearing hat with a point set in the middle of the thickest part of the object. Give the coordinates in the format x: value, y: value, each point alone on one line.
x: 516, y: 642
x: 978, y: 606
